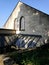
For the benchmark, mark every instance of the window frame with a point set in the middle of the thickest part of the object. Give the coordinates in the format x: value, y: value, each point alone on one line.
x: 23, y: 24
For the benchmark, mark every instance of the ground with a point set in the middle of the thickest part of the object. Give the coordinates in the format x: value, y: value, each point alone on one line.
x: 39, y: 56
x: 1, y: 59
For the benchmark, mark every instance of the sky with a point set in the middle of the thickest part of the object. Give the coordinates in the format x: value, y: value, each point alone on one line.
x: 7, y: 6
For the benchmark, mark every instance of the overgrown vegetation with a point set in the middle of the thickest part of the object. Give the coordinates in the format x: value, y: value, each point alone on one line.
x: 40, y: 56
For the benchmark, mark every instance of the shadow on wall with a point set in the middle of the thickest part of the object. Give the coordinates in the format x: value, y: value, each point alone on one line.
x: 6, y: 41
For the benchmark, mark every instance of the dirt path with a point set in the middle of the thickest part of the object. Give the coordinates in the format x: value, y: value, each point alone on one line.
x: 1, y: 59
x: 2, y: 56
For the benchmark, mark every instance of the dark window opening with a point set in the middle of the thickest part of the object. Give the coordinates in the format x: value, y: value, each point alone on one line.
x: 22, y: 24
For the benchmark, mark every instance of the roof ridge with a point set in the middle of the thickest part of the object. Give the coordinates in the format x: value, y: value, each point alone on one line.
x: 35, y: 8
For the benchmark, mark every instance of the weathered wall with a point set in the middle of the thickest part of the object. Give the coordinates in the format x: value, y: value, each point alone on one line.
x: 35, y: 21
x: 15, y: 14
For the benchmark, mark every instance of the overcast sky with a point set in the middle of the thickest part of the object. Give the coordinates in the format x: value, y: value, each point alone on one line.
x: 7, y: 6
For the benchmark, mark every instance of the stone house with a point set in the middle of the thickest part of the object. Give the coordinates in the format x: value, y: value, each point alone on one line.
x: 28, y: 20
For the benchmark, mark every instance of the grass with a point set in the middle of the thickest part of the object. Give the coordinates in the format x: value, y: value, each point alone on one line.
x: 40, y: 56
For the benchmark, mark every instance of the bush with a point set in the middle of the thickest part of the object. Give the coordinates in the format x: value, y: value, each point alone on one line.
x: 40, y: 56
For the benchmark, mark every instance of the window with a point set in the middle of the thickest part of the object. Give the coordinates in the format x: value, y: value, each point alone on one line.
x: 22, y: 23
x: 16, y: 24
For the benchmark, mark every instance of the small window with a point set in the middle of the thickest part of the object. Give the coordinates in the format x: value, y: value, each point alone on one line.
x: 22, y: 23
x: 15, y: 23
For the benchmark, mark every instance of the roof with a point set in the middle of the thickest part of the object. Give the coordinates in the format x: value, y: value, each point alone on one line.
x: 7, y: 31
x: 39, y: 5
x: 34, y: 8
x: 27, y: 5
